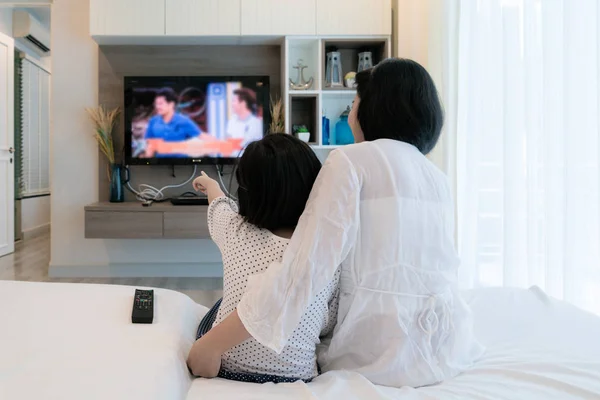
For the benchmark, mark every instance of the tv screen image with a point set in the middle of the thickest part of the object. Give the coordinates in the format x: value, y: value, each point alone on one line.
x: 193, y: 119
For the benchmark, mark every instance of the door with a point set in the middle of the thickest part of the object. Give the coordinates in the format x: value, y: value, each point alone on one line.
x: 357, y: 17
x: 279, y: 17
x: 127, y: 17
x: 7, y: 139
x: 203, y: 18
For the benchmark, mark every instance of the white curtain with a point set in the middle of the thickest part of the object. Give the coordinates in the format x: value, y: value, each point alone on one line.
x: 527, y: 107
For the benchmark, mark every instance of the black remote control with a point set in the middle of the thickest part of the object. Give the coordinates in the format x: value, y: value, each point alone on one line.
x: 143, y: 307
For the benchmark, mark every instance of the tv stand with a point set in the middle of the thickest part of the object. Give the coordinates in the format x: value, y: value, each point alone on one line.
x: 131, y: 220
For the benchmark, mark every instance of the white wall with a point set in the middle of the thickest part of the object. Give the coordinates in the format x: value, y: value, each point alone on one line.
x: 417, y: 37
x: 75, y: 171
x: 25, y: 3
x: 35, y: 213
x: 6, y: 21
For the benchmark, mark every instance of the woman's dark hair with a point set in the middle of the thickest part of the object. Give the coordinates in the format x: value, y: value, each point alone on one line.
x: 168, y: 93
x: 398, y: 100
x: 275, y: 176
x: 247, y: 96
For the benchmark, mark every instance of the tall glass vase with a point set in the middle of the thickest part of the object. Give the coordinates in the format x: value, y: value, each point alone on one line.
x: 116, y: 184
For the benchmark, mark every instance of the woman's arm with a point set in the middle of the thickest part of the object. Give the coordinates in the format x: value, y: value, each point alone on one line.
x: 205, y: 357
x: 275, y: 300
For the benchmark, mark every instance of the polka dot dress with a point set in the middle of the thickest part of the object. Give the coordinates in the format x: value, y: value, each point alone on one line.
x: 248, y: 250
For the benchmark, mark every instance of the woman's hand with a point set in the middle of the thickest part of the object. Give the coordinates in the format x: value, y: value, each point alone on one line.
x: 203, y: 360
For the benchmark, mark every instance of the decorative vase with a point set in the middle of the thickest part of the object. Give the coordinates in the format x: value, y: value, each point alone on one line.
x: 333, y: 72
x: 343, y: 133
x: 116, y: 184
x: 325, y: 129
x: 365, y: 60
x: 304, y: 136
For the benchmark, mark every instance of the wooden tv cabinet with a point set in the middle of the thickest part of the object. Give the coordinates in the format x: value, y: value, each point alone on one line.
x: 131, y: 220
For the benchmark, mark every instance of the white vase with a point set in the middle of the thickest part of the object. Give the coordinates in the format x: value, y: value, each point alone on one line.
x: 333, y: 72
x: 304, y: 136
x: 365, y: 60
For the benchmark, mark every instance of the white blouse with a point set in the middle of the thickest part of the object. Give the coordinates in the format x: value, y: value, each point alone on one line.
x: 385, y: 213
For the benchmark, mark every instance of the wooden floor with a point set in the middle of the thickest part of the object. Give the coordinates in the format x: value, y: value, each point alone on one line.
x: 32, y: 257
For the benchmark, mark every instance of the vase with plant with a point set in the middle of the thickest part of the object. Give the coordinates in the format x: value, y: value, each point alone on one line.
x: 104, y: 123
x: 277, y: 117
x: 302, y: 133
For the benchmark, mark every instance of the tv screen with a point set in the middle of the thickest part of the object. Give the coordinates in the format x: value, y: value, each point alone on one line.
x: 185, y: 120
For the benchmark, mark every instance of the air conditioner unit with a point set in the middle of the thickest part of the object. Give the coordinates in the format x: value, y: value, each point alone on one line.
x: 33, y: 33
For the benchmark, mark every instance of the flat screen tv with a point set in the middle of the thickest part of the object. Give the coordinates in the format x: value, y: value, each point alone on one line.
x: 191, y: 120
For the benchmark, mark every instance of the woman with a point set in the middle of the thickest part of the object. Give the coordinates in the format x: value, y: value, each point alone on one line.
x: 384, y: 213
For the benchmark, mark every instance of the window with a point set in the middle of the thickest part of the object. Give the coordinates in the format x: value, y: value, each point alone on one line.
x: 33, y: 129
x: 528, y: 146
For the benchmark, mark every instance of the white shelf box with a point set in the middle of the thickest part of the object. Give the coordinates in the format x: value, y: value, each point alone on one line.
x: 304, y: 110
x: 306, y: 50
x: 333, y: 104
x: 349, y: 50
x: 307, y: 107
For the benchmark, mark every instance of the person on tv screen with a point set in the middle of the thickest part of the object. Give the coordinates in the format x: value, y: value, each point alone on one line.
x: 168, y: 124
x: 139, y: 126
x: 244, y: 124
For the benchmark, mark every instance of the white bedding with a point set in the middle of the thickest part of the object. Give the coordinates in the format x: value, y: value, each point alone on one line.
x: 537, y: 348
x: 76, y: 341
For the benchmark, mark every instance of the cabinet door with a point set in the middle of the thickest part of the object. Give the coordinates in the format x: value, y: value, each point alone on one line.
x: 356, y: 17
x: 127, y: 17
x: 279, y: 17
x: 203, y: 17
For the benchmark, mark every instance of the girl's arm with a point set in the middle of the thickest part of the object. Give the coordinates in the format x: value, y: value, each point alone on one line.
x: 208, y: 186
x: 275, y: 300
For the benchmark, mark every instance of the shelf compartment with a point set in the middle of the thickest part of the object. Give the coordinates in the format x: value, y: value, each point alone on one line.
x: 304, y: 110
x: 349, y: 50
x: 308, y: 51
x: 332, y: 105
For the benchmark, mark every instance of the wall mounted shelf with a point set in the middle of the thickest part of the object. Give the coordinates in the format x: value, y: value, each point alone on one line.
x: 331, y: 102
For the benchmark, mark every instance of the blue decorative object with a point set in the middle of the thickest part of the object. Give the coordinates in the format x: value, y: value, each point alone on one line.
x: 343, y: 133
x: 116, y: 184
x: 325, y: 129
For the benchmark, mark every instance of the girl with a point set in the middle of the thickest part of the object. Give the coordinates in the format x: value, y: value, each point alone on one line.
x: 275, y: 176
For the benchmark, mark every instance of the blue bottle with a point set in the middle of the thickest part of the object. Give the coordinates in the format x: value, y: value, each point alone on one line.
x: 117, y: 195
x: 343, y: 133
x: 325, y: 130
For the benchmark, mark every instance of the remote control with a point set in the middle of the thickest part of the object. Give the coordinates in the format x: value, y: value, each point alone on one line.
x: 143, y: 307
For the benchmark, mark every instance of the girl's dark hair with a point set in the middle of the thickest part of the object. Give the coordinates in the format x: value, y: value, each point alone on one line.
x: 398, y: 100
x: 275, y: 176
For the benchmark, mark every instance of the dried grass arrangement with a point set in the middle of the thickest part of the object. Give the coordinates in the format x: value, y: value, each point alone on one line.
x: 104, y: 123
x: 277, y: 117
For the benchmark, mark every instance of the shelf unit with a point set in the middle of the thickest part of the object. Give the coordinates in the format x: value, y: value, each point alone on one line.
x: 307, y: 107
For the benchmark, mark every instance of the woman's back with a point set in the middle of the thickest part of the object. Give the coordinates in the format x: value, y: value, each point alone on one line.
x: 400, y: 321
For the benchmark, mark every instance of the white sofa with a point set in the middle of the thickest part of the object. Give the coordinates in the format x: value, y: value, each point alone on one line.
x: 76, y: 341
